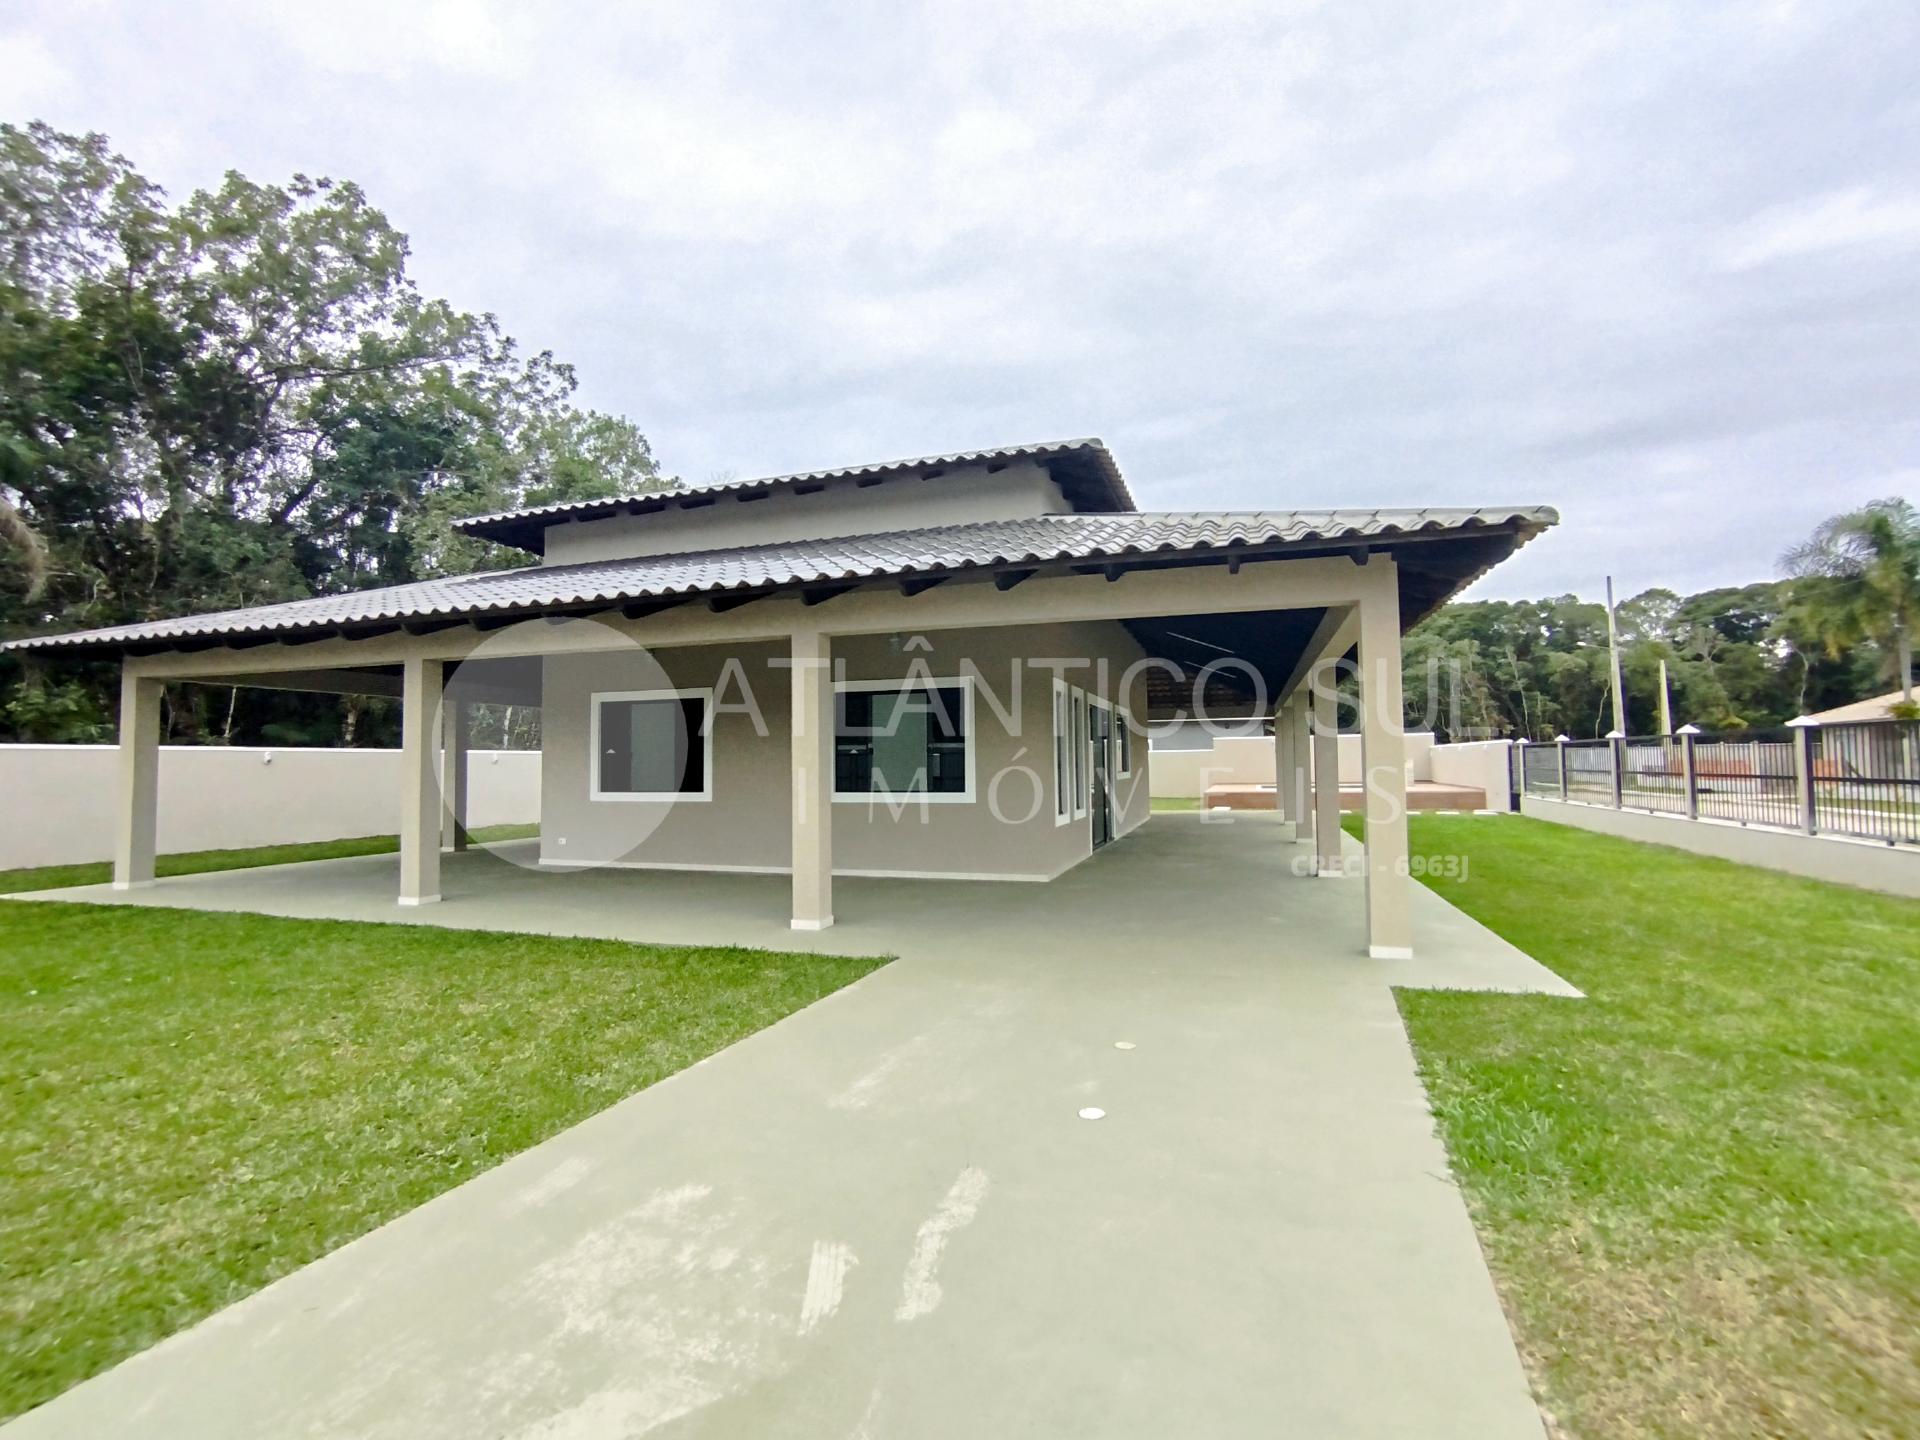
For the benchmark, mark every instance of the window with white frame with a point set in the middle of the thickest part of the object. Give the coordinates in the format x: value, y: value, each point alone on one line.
x: 1123, y: 742
x: 1062, y: 755
x: 1080, y: 795
x: 894, y: 739
x: 652, y: 745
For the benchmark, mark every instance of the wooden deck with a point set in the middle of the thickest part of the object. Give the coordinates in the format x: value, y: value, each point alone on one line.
x: 1421, y: 795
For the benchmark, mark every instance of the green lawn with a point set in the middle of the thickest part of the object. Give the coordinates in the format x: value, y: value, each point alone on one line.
x: 198, y: 1103
x: 1699, y: 1188
x: 199, y: 862
x: 1175, y: 802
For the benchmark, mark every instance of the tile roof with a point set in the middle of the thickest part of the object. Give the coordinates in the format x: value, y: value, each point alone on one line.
x: 537, y: 589
x: 1095, y: 477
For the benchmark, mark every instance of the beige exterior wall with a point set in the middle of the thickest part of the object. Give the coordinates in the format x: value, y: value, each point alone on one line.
x: 214, y: 798
x: 1007, y: 830
x: 959, y: 497
x: 1894, y: 869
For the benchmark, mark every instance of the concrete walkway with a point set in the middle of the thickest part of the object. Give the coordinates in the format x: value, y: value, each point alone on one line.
x: 884, y: 1217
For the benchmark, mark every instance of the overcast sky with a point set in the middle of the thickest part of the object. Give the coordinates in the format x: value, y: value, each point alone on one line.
x: 1657, y: 265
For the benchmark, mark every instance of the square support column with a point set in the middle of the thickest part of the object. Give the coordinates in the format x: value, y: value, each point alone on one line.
x: 1326, y: 771
x: 456, y: 721
x: 420, y: 688
x: 1299, y: 776
x: 1283, y: 764
x: 1384, y: 748
x: 813, y: 717
x: 137, y: 807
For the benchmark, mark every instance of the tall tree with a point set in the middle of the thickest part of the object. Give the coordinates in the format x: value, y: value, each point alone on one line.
x: 1858, y: 579
x: 240, y: 399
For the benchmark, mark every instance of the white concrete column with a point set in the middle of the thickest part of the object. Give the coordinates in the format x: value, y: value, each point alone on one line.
x: 813, y: 716
x: 136, y: 817
x: 456, y: 722
x: 1326, y: 770
x: 1384, y: 748
x: 1299, y: 778
x: 420, y: 687
x: 1283, y: 764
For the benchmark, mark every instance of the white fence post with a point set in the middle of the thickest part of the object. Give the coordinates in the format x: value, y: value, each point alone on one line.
x: 1803, y: 731
x: 1560, y: 748
x: 1687, y: 771
x: 1616, y: 762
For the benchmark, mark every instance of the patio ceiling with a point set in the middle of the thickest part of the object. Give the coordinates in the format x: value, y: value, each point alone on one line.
x: 510, y: 680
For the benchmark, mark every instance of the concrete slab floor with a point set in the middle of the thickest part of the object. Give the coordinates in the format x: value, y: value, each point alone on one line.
x: 884, y: 1215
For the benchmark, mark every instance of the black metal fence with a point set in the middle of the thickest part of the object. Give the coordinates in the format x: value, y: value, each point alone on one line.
x: 1749, y: 778
x: 1866, y: 780
x: 1859, y: 779
x: 1653, y: 775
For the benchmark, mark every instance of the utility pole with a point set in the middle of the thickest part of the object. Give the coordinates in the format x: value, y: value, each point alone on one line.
x: 1666, y: 703
x: 1613, y: 646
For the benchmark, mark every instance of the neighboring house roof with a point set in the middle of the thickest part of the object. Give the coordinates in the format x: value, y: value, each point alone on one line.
x: 1873, y: 708
x: 1479, y: 539
x: 1084, y: 469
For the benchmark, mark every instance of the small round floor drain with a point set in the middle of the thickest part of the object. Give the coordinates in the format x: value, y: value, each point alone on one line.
x: 1123, y: 1044
x: 1093, y: 1112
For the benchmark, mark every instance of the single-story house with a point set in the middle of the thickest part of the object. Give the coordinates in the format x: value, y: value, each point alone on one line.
x: 1874, y: 707
x: 939, y: 667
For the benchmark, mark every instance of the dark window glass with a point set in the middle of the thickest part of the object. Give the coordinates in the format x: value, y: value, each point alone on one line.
x: 901, y: 742
x: 653, y: 747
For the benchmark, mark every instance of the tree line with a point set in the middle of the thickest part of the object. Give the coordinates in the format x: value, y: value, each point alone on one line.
x: 1839, y: 628
x: 237, y: 399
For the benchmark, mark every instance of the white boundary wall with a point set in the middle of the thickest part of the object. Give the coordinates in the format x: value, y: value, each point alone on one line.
x: 1479, y: 764
x: 1894, y: 869
x: 1249, y: 760
x: 60, y: 798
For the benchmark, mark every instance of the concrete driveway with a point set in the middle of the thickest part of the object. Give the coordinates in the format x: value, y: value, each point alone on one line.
x: 884, y: 1216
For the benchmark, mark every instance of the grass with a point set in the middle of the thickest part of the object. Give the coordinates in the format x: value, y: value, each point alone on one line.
x: 1176, y: 802
x: 1699, y: 1188
x: 199, y: 1103
x: 199, y: 862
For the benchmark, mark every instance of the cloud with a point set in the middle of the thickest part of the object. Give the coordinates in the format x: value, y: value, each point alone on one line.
x: 1652, y: 265
x: 398, y: 42
x: 1841, y: 221
x: 35, y: 79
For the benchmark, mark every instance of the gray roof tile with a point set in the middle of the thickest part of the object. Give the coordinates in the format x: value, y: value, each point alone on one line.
x: 522, y: 527
x: 1047, y: 539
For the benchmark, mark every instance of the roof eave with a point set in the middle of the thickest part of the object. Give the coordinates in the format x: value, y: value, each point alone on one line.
x: 1522, y: 523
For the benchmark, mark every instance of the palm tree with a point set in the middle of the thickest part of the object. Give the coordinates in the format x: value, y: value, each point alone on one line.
x: 1858, y: 578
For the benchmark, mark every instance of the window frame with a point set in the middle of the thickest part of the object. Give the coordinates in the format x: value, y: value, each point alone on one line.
x: 1082, y: 757
x: 595, y: 703
x: 966, y: 796
x: 1122, y: 742
x: 1062, y: 753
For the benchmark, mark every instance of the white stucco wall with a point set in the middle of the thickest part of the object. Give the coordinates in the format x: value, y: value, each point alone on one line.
x: 1249, y: 760
x: 746, y: 823
x: 1481, y: 764
x: 60, y: 798
x: 844, y: 507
